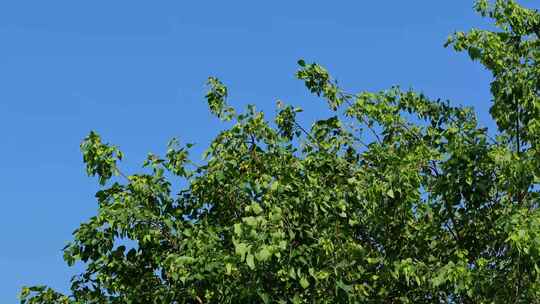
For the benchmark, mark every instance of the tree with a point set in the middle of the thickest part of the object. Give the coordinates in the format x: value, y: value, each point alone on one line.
x: 395, y: 198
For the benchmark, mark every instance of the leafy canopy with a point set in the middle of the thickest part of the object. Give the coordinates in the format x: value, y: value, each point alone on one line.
x: 395, y: 198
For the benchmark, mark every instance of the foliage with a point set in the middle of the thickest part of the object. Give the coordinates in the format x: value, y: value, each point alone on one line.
x: 395, y: 198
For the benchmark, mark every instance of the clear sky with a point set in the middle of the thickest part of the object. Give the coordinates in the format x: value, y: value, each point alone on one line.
x: 134, y: 71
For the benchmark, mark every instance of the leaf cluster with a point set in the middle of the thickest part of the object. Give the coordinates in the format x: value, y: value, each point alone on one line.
x: 393, y: 198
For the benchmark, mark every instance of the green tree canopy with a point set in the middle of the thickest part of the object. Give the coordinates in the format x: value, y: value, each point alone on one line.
x: 394, y: 198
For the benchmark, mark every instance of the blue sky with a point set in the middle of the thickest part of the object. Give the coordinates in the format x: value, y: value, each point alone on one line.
x: 134, y: 71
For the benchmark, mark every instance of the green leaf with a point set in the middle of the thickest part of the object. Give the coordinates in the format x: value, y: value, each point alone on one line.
x: 256, y: 208
x: 304, y: 282
x: 344, y: 287
x: 250, y: 261
x: 228, y: 268
x: 264, y: 297
x: 241, y: 249
x: 237, y: 229
x: 264, y: 254
x: 251, y: 221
